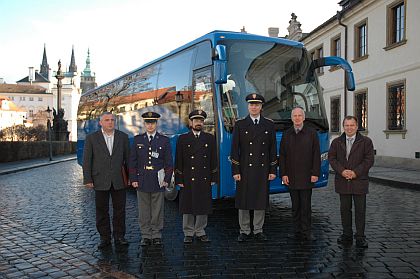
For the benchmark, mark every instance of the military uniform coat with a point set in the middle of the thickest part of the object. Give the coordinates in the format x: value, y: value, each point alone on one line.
x: 196, y: 168
x: 147, y: 158
x: 300, y: 157
x: 254, y: 157
x: 361, y: 159
x: 101, y: 168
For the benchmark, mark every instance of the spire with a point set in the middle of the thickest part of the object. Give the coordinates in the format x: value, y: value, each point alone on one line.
x: 44, y: 68
x: 87, y: 71
x: 73, y: 67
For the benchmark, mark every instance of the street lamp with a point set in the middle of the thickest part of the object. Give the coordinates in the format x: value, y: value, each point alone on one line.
x: 178, y: 100
x: 49, y: 131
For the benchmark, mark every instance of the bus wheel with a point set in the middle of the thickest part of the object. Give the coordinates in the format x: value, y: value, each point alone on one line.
x: 171, y: 193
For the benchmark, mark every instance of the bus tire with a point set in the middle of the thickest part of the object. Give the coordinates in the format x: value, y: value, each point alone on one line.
x: 171, y: 192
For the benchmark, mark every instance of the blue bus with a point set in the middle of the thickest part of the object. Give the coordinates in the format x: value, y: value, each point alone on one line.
x: 214, y: 73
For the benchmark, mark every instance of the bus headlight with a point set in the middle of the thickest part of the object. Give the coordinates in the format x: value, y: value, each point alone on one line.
x: 324, y: 156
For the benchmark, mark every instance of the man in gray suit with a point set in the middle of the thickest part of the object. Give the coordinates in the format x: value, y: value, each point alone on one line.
x: 105, y: 152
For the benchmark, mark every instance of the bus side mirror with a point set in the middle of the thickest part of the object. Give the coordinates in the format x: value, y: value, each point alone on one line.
x: 220, y: 65
x: 337, y: 61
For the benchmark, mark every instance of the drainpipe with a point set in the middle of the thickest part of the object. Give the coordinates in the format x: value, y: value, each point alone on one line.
x: 339, y: 17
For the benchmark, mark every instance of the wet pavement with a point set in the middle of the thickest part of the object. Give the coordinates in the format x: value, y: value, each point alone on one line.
x: 47, y: 230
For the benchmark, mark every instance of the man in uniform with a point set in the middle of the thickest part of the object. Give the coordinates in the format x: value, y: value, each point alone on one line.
x: 254, y: 163
x: 300, y: 166
x: 105, y: 152
x: 150, y: 172
x: 351, y: 156
x: 195, y: 172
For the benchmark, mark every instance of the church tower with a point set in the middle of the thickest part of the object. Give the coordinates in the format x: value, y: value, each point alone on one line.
x: 73, y: 67
x: 45, y: 68
x: 87, y: 80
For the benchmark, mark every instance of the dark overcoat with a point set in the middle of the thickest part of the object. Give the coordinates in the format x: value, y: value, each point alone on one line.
x: 101, y: 168
x: 196, y: 168
x: 254, y: 157
x: 147, y: 158
x: 361, y: 159
x: 300, y: 157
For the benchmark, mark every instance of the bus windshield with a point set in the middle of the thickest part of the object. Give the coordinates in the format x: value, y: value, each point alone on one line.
x: 280, y: 73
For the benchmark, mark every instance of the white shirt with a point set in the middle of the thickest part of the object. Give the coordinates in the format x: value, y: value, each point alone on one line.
x: 253, y: 119
x: 109, y: 140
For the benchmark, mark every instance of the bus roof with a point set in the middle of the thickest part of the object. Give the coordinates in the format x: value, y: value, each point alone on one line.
x: 215, y: 35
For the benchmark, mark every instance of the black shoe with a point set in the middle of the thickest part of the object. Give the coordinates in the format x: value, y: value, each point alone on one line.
x: 203, y: 238
x: 260, y: 237
x: 157, y: 241
x: 121, y: 241
x: 188, y: 239
x: 361, y: 243
x: 104, y: 243
x: 345, y: 240
x: 145, y: 242
x: 243, y: 237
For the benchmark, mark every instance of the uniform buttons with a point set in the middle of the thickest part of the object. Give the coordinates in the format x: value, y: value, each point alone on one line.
x: 150, y: 163
x: 205, y: 178
x: 205, y: 156
x: 250, y: 154
x: 263, y: 142
x: 192, y: 157
x: 250, y: 165
x: 262, y: 165
x: 192, y: 168
x: 251, y: 142
x: 205, y: 167
x: 150, y: 148
x: 150, y: 158
x: 262, y: 154
x: 192, y: 179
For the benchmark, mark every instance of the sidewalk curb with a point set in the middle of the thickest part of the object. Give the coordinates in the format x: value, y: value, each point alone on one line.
x: 391, y: 183
x: 24, y: 168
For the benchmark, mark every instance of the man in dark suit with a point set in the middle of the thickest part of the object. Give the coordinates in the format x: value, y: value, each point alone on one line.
x: 195, y: 172
x: 105, y: 152
x: 351, y: 156
x: 254, y: 162
x: 150, y: 168
x: 300, y: 167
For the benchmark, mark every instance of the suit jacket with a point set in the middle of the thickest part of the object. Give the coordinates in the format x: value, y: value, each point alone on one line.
x: 300, y: 157
x: 100, y: 168
x: 196, y: 168
x: 361, y: 159
x: 253, y: 155
x: 147, y: 158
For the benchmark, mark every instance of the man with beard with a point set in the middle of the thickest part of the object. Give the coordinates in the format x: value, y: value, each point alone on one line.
x: 149, y: 155
x: 254, y: 163
x: 195, y: 172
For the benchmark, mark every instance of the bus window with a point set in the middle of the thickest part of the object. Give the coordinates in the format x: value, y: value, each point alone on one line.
x: 203, y: 97
x: 203, y: 56
x: 173, y: 94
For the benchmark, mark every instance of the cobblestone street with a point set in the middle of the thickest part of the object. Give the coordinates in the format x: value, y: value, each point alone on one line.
x: 47, y: 230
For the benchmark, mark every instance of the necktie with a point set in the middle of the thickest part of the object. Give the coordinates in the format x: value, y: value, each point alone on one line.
x: 348, y: 147
x: 196, y: 136
x: 151, y: 138
x: 255, y: 121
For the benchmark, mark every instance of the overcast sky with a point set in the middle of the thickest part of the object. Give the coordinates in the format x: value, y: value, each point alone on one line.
x: 125, y: 34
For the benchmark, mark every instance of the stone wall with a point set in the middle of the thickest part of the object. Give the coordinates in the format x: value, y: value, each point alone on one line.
x: 20, y: 150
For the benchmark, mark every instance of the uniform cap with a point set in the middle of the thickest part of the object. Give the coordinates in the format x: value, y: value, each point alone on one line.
x: 198, y: 113
x: 150, y: 116
x: 255, y: 98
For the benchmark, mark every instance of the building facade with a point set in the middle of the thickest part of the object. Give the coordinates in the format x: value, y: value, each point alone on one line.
x: 381, y: 41
x: 10, y: 114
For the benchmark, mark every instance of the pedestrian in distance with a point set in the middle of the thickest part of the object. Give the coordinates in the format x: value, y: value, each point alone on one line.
x: 195, y: 172
x: 150, y: 170
x: 351, y: 156
x: 300, y: 167
x: 254, y: 164
x: 105, y: 152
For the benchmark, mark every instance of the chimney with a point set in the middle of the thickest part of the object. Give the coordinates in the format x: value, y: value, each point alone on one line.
x: 31, y: 74
x: 273, y: 32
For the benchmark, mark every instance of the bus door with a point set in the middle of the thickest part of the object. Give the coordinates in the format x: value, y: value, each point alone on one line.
x: 203, y: 98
